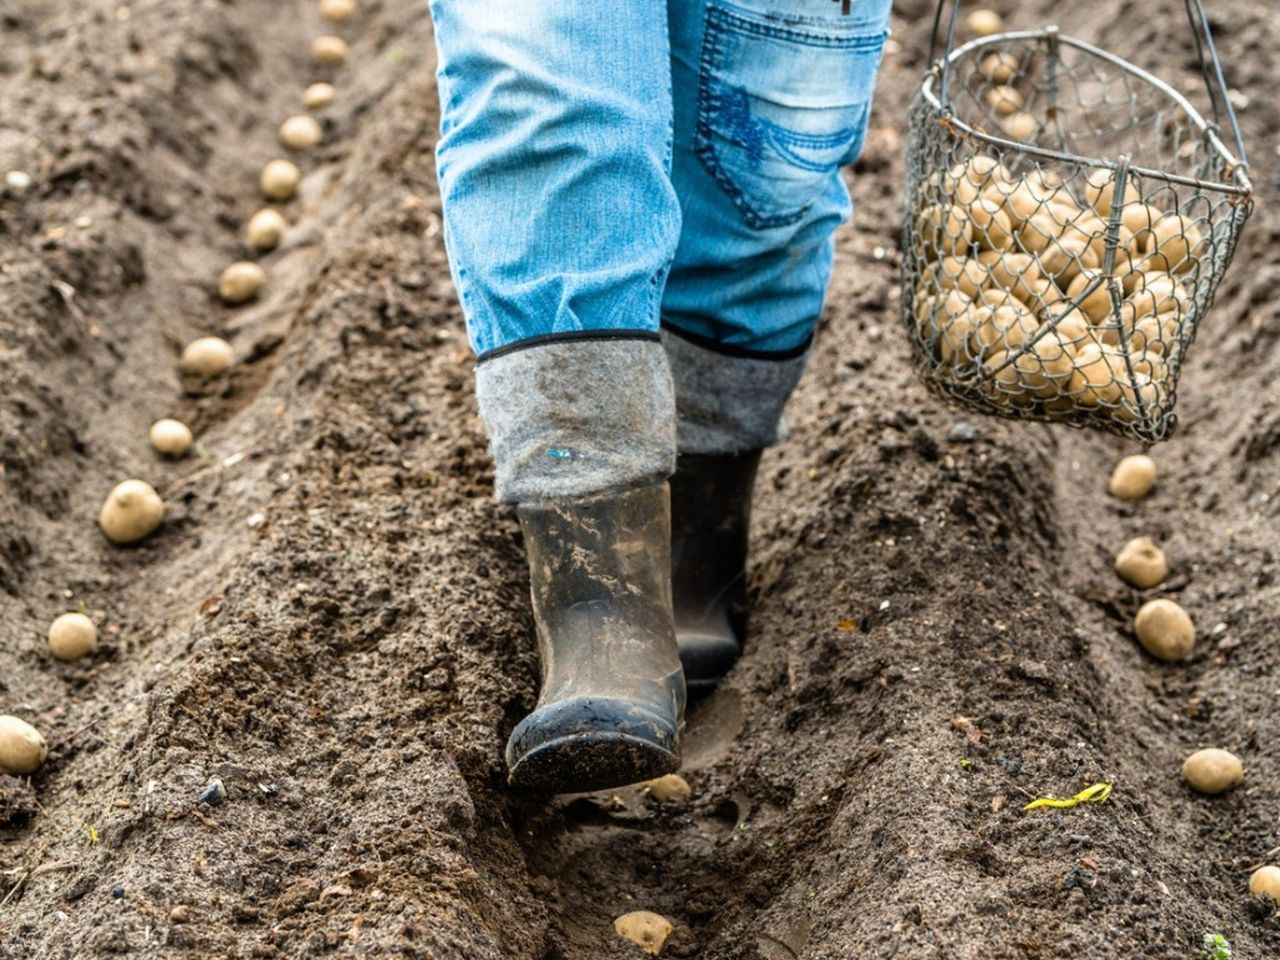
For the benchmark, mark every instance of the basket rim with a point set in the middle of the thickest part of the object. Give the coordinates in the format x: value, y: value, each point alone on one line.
x: 1242, y: 185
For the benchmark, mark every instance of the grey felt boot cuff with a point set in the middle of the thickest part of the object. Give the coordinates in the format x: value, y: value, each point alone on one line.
x: 728, y: 404
x: 575, y: 418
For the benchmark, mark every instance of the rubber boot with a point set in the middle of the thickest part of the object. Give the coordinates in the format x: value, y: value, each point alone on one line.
x: 613, y: 693
x: 710, y: 516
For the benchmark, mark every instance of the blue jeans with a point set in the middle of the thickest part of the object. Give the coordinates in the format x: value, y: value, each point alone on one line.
x: 613, y: 169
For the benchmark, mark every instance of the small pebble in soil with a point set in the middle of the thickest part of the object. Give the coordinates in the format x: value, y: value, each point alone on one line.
x: 1165, y: 630
x: 240, y: 282
x: 668, y: 788
x: 318, y: 96
x: 330, y: 51
x: 648, y: 930
x: 22, y: 749
x: 213, y: 793
x: 1265, y: 882
x: 207, y: 356
x: 19, y: 181
x: 279, y: 180
x: 300, y: 132
x: 1133, y: 477
x: 1213, y: 770
x: 131, y: 511
x: 963, y: 432
x: 117, y: 891
x: 1141, y: 563
x: 335, y: 11
x: 72, y: 636
x: 264, y: 230
x: 170, y: 438
x: 180, y: 914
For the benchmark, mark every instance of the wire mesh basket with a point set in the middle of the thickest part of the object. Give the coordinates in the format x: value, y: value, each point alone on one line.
x: 1068, y: 218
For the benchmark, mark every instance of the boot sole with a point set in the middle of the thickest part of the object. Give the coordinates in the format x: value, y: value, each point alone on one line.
x: 584, y: 762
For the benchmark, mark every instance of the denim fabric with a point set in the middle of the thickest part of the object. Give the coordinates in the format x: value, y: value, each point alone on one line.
x: 581, y: 195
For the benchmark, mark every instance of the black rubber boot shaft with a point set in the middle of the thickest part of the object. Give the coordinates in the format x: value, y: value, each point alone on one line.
x: 710, y: 521
x: 613, y: 693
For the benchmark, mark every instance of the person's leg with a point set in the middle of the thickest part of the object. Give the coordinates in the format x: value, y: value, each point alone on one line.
x: 771, y: 100
x: 561, y: 223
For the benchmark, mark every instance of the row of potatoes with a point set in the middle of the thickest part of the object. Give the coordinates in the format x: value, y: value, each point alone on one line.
x: 1003, y: 255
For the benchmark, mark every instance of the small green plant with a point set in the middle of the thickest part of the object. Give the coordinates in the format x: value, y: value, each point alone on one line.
x: 1216, y: 947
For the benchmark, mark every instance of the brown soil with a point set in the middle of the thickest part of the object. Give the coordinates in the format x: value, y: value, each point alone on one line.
x: 333, y: 619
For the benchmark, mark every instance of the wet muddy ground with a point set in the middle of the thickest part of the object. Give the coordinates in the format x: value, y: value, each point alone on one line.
x: 333, y: 619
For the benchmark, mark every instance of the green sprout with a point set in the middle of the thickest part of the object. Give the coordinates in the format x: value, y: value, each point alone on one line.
x: 1216, y: 947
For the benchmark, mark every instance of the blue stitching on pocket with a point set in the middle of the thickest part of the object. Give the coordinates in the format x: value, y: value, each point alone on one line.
x: 751, y: 133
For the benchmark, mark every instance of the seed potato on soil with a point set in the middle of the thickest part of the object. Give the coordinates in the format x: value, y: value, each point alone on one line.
x: 388, y: 593
x: 318, y: 96
x: 330, y: 51
x: 207, y: 357
x: 301, y: 132
x: 264, y: 229
x: 172, y: 438
x: 1213, y: 770
x: 647, y: 930
x: 22, y: 749
x: 1141, y: 563
x: 337, y: 11
x: 1265, y: 882
x: 133, y: 510
x: 279, y: 180
x: 240, y: 282
x: 1165, y: 630
x: 72, y: 636
x: 1133, y: 477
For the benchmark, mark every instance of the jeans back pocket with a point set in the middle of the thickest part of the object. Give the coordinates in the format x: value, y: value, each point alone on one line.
x: 783, y: 103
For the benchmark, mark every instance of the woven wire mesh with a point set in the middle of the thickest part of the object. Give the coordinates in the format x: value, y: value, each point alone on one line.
x: 1068, y: 219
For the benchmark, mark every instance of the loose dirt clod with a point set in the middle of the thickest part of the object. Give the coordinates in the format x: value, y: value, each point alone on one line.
x: 207, y: 356
x: 72, y: 636
x: 279, y: 180
x: 1133, y: 477
x: 131, y: 511
x: 336, y: 11
x: 330, y: 51
x: 983, y: 23
x: 648, y: 930
x: 1265, y: 882
x: 1165, y: 630
x: 318, y: 95
x: 668, y: 788
x: 264, y: 230
x: 1213, y: 770
x: 240, y: 282
x: 171, y: 438
x: 300, y: 132
x: 1141, y: 563
x: 22, y: 749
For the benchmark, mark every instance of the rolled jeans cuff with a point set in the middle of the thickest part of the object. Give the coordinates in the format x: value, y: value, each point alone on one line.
x: 578, y: 417
x: 729, y: 403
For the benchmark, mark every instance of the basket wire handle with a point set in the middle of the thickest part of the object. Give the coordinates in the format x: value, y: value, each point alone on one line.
x: 1210, y: 67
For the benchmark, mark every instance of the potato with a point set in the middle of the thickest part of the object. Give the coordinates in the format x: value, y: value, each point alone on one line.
x: 933, y: 312
x: 1212, y: 770
x: 1099, y: 188
x: 1138, y: 218
x: 279, y: 180
x: 648, y: 930
x: 301, y: 132
x: 22, y: 749
x: 1037, y: 371
x: 1151, y: 336
x: 1072, y: 329
x: 1173, y: 243
x: 264, y: 230
x: 944, y: 230
x: 963, y: 274
x: 318, y: 96
x: 956, y: 333
x: 1004, y: 99
x: 1017, y: 273
x: 72, y: 636
x: 992, y: 229
x: 1141, y: 563
x: 1065, y: 257
x: 131, y: 511
x: 1154, y: 294
x: 1003, y: 328
x: 336, y: 11
x: 207, y: 356
x: 1133, y: 477
x: 1140, y: 400
x: 983, y: 23
x: 1019, y: 200
x: 668, y: 788
x: 1164, y: 630
x: 171, y: 438
x: 240, y: 282
x: 330, y: 51
x: 1096, y: 376
x: 1265, y: 882
x: 1097, y: 305
x: 965, y: 181
x: 1151, y: 366
x: 1020, y: 125
x: 998, y: 67
x: 1041, y: 294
